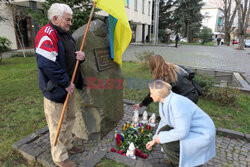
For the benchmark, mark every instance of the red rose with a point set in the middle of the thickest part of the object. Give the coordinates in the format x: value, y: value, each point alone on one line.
x: 137, y: 152
x: 112, y: 150
x: 148, y: 127
x: 124, y: 154
x: 118, y: 139
x: 120, y: 152
x: 144, y: 156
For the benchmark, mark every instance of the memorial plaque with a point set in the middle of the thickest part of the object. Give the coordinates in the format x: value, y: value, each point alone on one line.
x: 103, y: 59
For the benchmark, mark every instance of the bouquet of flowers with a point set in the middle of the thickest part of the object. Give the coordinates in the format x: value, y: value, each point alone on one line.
x: 139, y: 135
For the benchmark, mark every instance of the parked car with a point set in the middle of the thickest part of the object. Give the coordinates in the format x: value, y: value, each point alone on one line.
x: 183, y: 40
x: 235, y: 41
x: 247, y: 43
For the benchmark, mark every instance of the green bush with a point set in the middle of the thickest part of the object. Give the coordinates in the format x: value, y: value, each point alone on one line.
x: 205, y: 81
x: 205, y: 35
x: 27, y: 54
x: 247, y: 35
x: 224, y: 96
x: 162, y: 35
x: 144, y: 57
x: 5, y: 44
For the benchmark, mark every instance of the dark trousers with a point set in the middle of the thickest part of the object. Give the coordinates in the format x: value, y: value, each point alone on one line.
x: 172, y: 149
x: 176, y: 44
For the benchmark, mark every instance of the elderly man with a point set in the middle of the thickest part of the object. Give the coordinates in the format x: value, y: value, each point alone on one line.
x: 56, y: 57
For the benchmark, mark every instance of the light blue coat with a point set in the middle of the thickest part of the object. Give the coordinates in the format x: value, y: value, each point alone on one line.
x: 193, y: 127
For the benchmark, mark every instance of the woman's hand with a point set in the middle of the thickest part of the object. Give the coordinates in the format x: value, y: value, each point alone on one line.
x: 150, y: 144
x: 157, y: 139
x: 136, y: 106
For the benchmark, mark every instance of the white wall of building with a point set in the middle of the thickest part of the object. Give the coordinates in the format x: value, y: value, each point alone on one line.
x: 7, y: 27
x: 210, y: 18
x: 138, y: 15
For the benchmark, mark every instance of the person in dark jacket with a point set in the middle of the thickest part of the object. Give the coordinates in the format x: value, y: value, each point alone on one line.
x: 219, y: 40
x: 177, y: 38
x: 173, y: 74
x: 56, y: 58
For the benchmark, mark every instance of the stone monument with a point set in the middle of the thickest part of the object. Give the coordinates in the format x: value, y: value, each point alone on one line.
x: 100, y: 102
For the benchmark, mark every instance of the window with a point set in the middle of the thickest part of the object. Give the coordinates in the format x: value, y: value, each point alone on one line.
x: 143, y: 2
x: 220, y: 21
x: 135, y: 5
x: 149, y: 8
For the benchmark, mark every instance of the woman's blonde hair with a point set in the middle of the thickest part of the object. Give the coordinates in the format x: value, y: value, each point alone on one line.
x: 161, y: 88
x: 162, y: 69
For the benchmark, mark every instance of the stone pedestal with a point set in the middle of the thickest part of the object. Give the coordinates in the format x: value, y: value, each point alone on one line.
x: 98, y: 109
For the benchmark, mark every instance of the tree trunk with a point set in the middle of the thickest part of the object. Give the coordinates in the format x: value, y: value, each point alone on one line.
x: 229, y: 18
x: 240, y: 27
x: 227, y: 38
x: 241, y: 42
x: 188, y: 35
x: 243, y: 15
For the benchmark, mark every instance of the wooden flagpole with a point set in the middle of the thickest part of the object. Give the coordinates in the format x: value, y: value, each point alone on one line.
x: 73, y: 76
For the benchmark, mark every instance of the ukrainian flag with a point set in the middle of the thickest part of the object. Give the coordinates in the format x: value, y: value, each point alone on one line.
x: 119, y: 28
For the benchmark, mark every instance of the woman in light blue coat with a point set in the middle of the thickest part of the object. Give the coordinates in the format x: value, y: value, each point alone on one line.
x: 186, y: 133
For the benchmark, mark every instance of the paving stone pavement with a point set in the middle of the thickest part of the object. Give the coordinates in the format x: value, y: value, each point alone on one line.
x: 36, y: 147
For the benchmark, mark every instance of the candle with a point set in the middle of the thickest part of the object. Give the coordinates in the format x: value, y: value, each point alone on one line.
x: 124, y: 127
x: 127, y: 125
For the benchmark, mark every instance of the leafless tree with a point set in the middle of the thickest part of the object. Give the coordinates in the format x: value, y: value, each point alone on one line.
x: 18, y: 15
x: 243, y: 16
x: 229, y: 15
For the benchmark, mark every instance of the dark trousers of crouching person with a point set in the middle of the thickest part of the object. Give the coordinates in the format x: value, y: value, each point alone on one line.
x: 172, y: 149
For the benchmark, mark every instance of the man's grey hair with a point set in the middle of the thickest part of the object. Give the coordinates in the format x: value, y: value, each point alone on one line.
x: 58, y: 9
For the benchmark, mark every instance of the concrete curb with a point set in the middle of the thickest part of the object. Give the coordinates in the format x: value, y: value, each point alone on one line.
x: 128, y: 161
x: 221, y: 131
x: 166, y: 45
x: 30, y: 138
x: 94, y: 159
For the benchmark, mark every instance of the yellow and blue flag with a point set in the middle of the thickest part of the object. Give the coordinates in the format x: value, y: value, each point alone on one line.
x: 119, y: 28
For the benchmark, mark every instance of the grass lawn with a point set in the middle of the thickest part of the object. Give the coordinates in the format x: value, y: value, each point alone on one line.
x: 198, y: 43
x: 21, y: 105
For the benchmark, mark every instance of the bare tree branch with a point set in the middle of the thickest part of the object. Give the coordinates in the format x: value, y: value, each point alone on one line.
x: 247, y: 16
x: 243, y: 15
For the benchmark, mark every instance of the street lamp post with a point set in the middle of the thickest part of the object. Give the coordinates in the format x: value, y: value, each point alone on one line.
x: 156, y: 22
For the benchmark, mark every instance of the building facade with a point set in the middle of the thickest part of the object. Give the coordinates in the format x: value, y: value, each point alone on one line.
x: 139, y: 14
x: 213, y: 17
x: 18, y: 26
x: 21, y: 29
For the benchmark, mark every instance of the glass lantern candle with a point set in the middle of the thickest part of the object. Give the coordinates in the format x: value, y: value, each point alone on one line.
x: 124, y: 127
x: 127, y: 124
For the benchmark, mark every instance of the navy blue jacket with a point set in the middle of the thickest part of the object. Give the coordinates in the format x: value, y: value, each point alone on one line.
x: 51, y: 62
